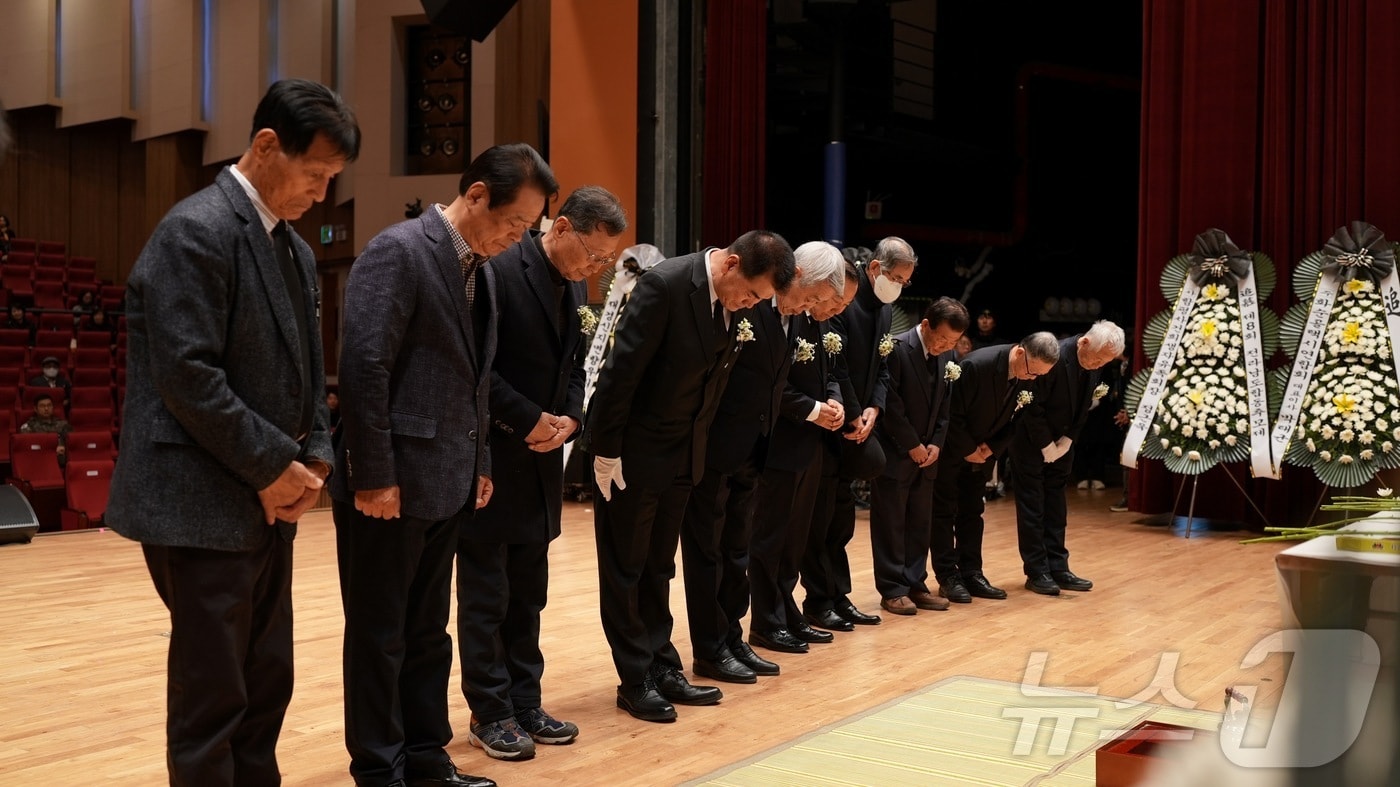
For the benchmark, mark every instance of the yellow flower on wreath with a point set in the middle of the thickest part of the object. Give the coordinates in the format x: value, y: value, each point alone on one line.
x: 1351, y: 333
x: 1196, y: 396
x: 1357, y: 285
x: 1344, y: 403
x: 1211, y: 292
x: 1208, y: 329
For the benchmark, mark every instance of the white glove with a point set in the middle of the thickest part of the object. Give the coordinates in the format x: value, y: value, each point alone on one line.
x: 606, y: 472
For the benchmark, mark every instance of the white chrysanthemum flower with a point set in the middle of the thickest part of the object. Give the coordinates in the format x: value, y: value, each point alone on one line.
x: 1368, y: 454
x: 1345, y: 459
x: 1194, y: 456
x: 1187, y: 431
x: 1166, y: 443
x: 1230, y: 440
x: 1176, y: 450
x: 1242, y: 426
x: 1327, y: 432
x: 1326, y: 456
x: 1347, y: 435
x: 1386, y: 446
x: 1214, y: 444
x: 1312, y: 447
x: 1366, y: 437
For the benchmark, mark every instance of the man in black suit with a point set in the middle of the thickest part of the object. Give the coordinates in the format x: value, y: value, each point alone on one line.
x: 648, y: 421
x: 536, y: 405
x: 414, y: 385
x: 803, y: 443
x: 719, y: 515
x: 226, y: 440
x: 989, y: 389
x: 912, y: 431
x: 1042, y: 454
x: 863, y: 326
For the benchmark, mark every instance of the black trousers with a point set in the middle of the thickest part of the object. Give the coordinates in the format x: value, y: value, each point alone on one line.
x: 783, y: 516
x: 637, y: 533
x: 229, y: 669
x: 395, y: 587
x: 824, y: 559
x: 956, y: 540
x: 1040, y: 508
x: 901, y: 522
x: 715, y: 555
x: 501, y: 591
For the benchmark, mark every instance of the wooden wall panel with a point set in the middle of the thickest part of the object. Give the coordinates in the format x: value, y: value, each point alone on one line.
x: 522, y: 68
x: 132, y: 229
x: 95, y: 189
x: 43, y: 199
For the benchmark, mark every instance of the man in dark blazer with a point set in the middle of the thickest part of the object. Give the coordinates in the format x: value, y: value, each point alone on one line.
x: 719, y: 515
x: 1042, y: 454
x: 540, y: 284
x: 990, y: 387
x: 912, y: 431
x: 413, y: 460
x: 225, y: 439
x: 802, y: 445
x: 648, y: 421
x: 863, y: 326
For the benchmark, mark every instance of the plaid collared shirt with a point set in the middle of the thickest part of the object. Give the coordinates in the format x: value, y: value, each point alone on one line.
x: 468, y: 259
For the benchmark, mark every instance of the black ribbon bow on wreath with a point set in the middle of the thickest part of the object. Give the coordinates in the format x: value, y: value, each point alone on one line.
x: 1214, y: 255
x: 1359, y: 253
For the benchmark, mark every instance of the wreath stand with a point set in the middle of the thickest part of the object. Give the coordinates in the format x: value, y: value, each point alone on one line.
x: 1191, y: 505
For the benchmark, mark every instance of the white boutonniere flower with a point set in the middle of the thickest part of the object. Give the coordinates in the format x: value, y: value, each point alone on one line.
x: 806, y: 351
x: 831, y: 342
x: 952, y: 372
x: 745, y: 332
x: 587, y: 321
x: 1024, y: 398
x: 886, y: 345
x: 1100, y: 391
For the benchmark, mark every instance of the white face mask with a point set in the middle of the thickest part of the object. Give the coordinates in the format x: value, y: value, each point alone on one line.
x: 50, y: 372
x: 886, y: 289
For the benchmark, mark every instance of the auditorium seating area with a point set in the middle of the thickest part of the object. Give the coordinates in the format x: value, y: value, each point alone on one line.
x: 40, y: 277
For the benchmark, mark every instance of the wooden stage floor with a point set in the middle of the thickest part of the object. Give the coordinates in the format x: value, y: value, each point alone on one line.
x: 83, y: 641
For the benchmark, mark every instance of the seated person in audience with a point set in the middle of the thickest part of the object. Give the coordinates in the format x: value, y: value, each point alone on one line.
x: 6, y: 235
x: 86, y: 305
x: 18, y: 320
x: 52, y: 377
x: 99, y: 321
x: 333, y: 405
x: 44, y: 420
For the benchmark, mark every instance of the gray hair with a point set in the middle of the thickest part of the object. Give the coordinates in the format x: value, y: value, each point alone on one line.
x: 893, y: 252
x: 1042, y: 346
x: 820, y: 263
x: 591, y: 206
x: 1105, y: 334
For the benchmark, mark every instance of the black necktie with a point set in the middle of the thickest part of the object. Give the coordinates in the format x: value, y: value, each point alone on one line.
x: 720, y: 327
x: 291, y: 277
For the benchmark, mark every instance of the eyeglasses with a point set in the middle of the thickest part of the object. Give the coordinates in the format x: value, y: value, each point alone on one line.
x: 885, y: 269
x: 1027, y: 358
x: 593, y: 256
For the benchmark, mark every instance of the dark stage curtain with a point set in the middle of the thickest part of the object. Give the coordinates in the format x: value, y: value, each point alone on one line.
x: 736, y: 51
x: 1276, y: 121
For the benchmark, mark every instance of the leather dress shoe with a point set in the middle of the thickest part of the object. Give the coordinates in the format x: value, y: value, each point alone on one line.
x: 806, y: 633
x: 674, y: 687
x: 1042, y: 584
x: 926, y: 600
x: 780, y: 640
x: 955, y: 591
x: 447, y: 775
x: 644, y: 702
x: 829, y: 620
x: 849, y: 612
x: 724, y: 667
x: 978, y: 586
x: 1068, y: 581
x: 899, y: 605
x: 753, y: 661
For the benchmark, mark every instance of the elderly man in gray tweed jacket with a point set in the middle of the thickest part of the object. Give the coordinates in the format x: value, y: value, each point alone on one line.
x: 224, y: 440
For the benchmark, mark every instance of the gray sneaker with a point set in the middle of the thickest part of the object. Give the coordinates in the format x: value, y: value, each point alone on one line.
x: 544, y: 728
x: 503, y: 740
